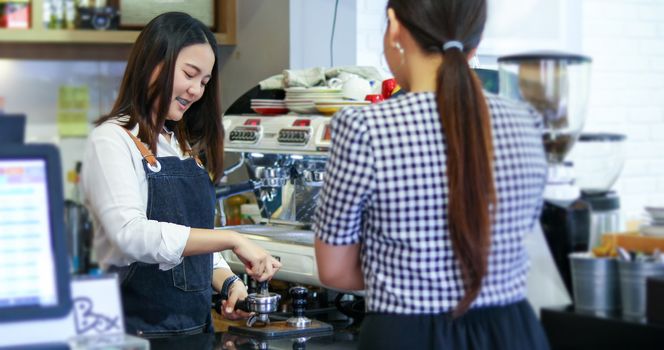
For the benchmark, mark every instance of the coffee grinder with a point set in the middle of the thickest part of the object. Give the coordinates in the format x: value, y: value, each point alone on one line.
x: 556, y: 86
x: 598, y: 159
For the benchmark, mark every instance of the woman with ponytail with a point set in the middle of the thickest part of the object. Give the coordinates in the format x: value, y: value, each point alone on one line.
x: 428, y: 196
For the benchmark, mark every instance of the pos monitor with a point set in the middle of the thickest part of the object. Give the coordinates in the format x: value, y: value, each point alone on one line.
x: 34, y: 272
x: 12, y: 128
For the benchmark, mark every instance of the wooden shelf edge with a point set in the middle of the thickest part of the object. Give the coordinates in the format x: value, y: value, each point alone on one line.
x: 69, y: 51
x: 67, y: 36
x: 41, y: 43
x: 225, y: 39
x: 26, y: 36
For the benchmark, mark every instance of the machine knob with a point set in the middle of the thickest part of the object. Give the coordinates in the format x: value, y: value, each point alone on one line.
x: 313, y: 176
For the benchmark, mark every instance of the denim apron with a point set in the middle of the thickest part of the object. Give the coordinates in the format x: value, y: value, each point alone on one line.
x: 175, y: 302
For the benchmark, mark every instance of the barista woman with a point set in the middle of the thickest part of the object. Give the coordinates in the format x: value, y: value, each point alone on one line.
x: 427, y: 196
x: 150, y: 195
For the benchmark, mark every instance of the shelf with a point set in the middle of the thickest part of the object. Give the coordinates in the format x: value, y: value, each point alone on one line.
x: 67, y: 36
x: 41, y: 43
x: 61, y: 36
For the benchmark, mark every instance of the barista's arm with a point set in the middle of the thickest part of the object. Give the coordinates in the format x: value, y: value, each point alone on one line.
x: 203, y: 241
x: 236, y: 291
x: 221, y: 271
x: 339, y: 265
x: 219, y: 276
x: 258, y: 263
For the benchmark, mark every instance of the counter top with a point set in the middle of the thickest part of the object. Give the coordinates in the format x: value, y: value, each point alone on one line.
x: 568, y: 329
x: 342, y: 338
x: 231, y: 342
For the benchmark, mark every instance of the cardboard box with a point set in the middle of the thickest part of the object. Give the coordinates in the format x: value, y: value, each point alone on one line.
x: 137, y: 13
x: 15, y: 14
x: 633, y: 242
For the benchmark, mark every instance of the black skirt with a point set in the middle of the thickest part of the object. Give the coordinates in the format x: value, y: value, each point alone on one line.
x: 509, y: 327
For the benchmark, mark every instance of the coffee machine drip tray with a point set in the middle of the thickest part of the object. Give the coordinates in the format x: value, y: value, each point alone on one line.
x: 291, y: 245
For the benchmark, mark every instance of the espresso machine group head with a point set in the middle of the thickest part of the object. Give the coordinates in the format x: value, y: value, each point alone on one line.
x: 285, y: 161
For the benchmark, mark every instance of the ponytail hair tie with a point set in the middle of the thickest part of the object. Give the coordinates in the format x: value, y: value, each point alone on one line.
x: 452, y: 44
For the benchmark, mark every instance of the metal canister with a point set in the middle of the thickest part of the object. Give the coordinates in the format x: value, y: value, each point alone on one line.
x: 595, y: 284
x: 633, y: 275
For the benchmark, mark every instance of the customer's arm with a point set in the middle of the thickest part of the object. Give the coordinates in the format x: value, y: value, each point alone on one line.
x: 343, y: 203
x: 339, y: 266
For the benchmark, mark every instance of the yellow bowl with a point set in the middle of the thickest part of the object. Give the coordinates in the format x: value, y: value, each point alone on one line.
x: 328, y: 110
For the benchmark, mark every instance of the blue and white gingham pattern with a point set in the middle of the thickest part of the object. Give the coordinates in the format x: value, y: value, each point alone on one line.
x: 386, y: 186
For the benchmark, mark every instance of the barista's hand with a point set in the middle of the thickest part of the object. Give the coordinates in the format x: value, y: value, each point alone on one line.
x: 258, y: 263
x: 230, y: 341
x: 237, y: 291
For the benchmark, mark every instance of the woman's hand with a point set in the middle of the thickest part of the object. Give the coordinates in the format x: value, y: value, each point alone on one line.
x: 258, y: 263
x: 237, y: 291
x: 231, y: 341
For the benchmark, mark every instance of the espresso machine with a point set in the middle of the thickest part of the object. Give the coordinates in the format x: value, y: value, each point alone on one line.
x: 284, y: 156
x: 556, y: 86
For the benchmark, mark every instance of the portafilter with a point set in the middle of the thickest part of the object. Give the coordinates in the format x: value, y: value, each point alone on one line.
x: 261, y: 304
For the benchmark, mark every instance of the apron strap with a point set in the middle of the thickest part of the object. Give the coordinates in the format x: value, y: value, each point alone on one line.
x: 145, y: 152
x: 149, y: 157
x: 198, y: 160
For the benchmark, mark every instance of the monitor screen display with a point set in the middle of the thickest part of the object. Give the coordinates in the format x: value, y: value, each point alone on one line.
x: 34, y: 280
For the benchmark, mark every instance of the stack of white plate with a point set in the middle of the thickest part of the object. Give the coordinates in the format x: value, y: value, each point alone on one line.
x: 303, y: 100
x: 269, y: 106
x: 655, y: 222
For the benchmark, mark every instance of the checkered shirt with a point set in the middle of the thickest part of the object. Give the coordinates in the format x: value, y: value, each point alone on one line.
x: 386, y: 186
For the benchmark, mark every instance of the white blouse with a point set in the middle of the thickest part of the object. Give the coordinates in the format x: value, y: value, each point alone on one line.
x: 115, y: 190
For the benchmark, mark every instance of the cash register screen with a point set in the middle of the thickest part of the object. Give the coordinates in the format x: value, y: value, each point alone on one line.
x: 34, y: 281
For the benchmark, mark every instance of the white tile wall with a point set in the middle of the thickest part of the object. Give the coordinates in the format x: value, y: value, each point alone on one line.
x: 371, y: 21
x: 31, y: 87
x: 625, y: 38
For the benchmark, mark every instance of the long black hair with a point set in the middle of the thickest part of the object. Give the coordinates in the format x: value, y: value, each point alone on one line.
x: 466, y: 125
x: 158, y: 46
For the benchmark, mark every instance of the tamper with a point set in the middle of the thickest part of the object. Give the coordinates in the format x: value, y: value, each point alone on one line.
x: 299, y: 295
